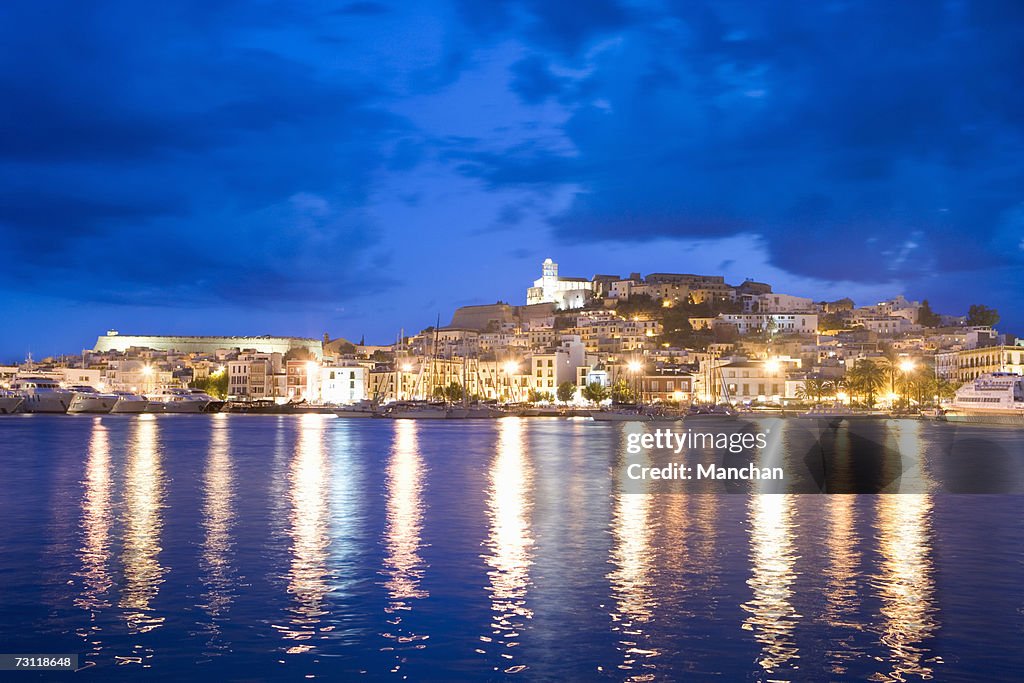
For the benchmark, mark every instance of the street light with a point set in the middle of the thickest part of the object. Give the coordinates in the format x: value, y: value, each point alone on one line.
x: 511, y: 368
x: 907, y: 365
x: 771, y: 366
x: 635, y: 367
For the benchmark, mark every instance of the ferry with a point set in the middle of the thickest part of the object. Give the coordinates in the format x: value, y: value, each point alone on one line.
x: 993, y: 398
x: 87, y: 399
x: 42, y: 395
x: 177, y: 400
x: 9, y: 402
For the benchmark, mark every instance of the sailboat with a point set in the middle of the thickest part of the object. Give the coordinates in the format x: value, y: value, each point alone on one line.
x: 713, y: 409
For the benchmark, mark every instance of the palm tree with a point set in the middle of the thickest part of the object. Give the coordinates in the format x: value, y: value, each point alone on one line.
x: 890, y: 365
x: 866, y: 378
x: 812, y: 388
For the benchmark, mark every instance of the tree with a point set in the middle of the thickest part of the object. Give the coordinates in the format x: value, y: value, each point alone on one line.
x: 595, y: 392
x: 865, y: 378
x: 538, y: 396
x: 926, y: 316
x: 215, y: 385
x: 299, y: 353
x: 566, y: 391
x: 982, y: 316
x: 812, y: 388
x: 621, y: 393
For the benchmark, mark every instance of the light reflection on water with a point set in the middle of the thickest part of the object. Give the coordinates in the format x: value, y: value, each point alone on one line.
x: 631, y: 582
x: 772, y: 616
x: 217, y: 573
x: 307, y: 581
x: 509, y: 504
x: 95, y: 553
x: 175, y: 521
x: 144, y: 494
x: 842, y: 595
x: 906, y: 585
x: 403, y: 564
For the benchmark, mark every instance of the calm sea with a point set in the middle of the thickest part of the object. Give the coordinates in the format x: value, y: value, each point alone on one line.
x: 289, y: 547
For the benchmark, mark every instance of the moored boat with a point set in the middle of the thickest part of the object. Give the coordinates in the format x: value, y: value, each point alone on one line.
x: 9, y: 402
x: 129, y: 403
x: 178, y: 400
x: 42, y: 395
x: 360, y: 409
x: 422, y: 410
x: 993, y: 398
x: 87, y: 399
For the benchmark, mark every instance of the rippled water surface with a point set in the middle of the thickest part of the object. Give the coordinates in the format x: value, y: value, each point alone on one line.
x: 250, y: 547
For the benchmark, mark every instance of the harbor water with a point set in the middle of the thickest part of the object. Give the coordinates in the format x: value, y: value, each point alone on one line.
x: 247, y: 547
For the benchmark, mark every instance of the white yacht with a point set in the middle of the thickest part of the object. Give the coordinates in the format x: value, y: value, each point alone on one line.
x: 993, y: 398
x: 127, y: 402
x: 177, y: 400
x: 9, y: 402
x: 42, y: 395
x: 87, y: 399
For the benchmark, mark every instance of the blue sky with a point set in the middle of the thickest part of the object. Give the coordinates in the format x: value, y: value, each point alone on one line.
x: 359, y: 167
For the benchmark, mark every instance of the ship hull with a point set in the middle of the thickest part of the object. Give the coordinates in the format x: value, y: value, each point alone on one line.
x: 9, y: 404
x: 123, y: 407
x: 46, y: 404
x: 177, y: 407
x: 1007, y: 418
x: 92, y: 404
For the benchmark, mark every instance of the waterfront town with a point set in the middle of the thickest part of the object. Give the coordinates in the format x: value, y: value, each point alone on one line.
x: 666, y: 338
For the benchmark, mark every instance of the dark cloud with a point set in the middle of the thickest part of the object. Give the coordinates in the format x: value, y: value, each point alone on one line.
x: 159, y: 157
x: 272, y: 156
x: 866, y: 142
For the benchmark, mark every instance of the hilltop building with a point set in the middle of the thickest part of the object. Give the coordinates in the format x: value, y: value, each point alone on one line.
x: 564, y: 292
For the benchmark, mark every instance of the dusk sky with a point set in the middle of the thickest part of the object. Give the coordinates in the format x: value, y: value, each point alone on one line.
x: 356, y: 168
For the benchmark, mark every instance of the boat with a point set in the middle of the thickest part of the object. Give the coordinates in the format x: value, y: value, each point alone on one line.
x: 831, y: 415
x: 214, y: 405
x: 260, y: 406
x: 484, y: 412
x: 129, y: 403
x: 42, y: 395
x: 87, y: 399
x: 700, y: 411
x: 992, y: 398
x: 423, y: 410
x: 9, y: 402
x: 178, y: 400
x: 621, y: 414
x: 359, y: 409
x: 636, y: 413
x: 713, y: 409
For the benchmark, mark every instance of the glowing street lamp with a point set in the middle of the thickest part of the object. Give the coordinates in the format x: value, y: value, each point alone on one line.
x: 511, y: 368
x: 772, y: 365
x: 635, y: 367
x: 907, y: 366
